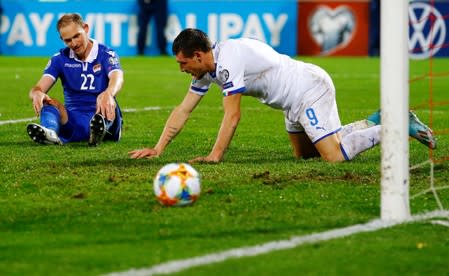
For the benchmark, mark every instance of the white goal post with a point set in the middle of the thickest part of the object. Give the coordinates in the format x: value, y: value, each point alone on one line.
x: 394, y: 86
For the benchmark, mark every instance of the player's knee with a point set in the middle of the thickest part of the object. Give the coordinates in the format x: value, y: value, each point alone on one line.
x: 333, y: 157
x: 330, y: 151
x: 53, y: 102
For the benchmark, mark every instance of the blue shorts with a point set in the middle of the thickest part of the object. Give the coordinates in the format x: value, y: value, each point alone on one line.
x: 77, y: 127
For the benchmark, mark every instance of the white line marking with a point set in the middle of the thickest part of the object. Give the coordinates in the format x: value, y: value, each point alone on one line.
x: 132, y: 110
x: 125, y: 110
x: 128, y: 110
x: 148, y: 108
x: 17, y: 121
x: 441, y: 222
x: 178, y: 265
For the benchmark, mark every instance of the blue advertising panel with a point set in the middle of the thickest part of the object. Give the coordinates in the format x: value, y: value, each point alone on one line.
x: 29, y: 26
x: 273, y: 22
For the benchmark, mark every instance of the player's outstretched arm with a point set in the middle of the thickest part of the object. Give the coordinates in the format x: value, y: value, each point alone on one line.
x: 173, y: 126
x: 228, y: 126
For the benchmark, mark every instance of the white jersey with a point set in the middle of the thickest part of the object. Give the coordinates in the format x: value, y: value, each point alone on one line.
x: 255, y: 69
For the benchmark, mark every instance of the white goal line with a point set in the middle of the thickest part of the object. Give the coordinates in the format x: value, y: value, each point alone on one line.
x: 295, y: 241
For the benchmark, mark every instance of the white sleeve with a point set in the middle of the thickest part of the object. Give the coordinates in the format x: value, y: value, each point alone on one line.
x: 200, y: 87
x: 231, y: 69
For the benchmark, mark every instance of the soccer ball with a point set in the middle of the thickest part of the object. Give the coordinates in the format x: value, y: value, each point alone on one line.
x: 177, y: 184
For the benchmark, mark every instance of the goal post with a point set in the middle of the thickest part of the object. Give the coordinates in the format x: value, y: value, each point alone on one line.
x: 394, y: 67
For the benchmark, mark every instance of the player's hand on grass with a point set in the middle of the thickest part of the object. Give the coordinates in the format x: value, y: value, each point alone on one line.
x: 143, y: 153
x: 206, y: 159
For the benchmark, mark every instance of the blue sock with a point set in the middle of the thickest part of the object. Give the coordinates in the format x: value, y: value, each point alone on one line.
x: 50, y: 117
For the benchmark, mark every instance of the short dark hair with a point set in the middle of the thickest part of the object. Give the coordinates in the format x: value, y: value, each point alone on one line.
x: 190, y: 40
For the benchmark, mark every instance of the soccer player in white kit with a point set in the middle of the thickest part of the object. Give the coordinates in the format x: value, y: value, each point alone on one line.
x: 247, y: 67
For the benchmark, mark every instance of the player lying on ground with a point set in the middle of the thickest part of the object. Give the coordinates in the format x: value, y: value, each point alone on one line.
x: 303, y: 91
x: 91, y: 76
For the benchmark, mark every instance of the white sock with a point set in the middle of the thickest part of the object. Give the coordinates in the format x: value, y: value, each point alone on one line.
x: 359, y: 140
x: 357, y: 125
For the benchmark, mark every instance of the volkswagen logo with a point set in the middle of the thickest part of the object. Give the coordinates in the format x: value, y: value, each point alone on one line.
x: 427, y: 30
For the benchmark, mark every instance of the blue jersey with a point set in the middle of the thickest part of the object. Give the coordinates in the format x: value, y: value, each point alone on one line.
x: 83, y: 81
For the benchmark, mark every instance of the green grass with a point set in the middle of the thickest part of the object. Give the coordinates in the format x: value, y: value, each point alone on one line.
x: 75, y: 210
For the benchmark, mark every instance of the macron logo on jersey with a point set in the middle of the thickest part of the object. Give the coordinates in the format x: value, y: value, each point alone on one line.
x: 72, y: 65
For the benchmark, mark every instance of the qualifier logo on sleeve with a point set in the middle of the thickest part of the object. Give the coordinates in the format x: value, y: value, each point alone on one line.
x: 223, y: 75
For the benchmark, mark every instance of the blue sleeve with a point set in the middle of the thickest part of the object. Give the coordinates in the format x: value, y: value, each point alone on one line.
x: 111, y: 61
x: 52, y: 68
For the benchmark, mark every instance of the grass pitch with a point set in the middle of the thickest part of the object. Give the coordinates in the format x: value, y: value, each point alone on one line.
x: 74, y: 210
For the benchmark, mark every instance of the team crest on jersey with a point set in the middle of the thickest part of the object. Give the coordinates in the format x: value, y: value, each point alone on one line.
x: 113, y: 60
x: 97, y: 68
x: 223, y: 75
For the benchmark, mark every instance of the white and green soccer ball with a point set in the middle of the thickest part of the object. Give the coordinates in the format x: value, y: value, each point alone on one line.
x: 177, y: 184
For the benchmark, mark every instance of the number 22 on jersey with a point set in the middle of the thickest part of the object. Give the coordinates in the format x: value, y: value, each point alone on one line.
x: 88, y: 82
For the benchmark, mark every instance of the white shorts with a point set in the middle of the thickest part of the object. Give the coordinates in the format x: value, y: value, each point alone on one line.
x: 317, y: 113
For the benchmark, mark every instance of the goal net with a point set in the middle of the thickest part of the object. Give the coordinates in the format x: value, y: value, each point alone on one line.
x: 411, y: 78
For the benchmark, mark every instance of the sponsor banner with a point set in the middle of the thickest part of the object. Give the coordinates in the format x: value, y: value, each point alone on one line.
x: 333, y: 28
x: 273, y: 22
x: 428, y: 31
x: 29, y: 26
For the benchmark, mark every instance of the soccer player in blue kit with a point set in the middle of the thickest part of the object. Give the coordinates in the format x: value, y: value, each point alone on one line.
x: 91, y: 77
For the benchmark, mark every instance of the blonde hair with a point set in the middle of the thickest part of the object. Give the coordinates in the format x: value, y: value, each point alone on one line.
x: 66, y: 19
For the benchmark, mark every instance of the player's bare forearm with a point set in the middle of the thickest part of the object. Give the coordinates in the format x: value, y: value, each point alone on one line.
x: 228, y: 126
x: 115, y: 83
x: 168, y: 135
x: 225, y: 135
x: 173, y: 126
x: 177, y: 120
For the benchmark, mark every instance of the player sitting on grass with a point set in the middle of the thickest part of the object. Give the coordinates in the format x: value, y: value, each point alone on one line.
x: 303, y: 91
x: 91, y: 77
